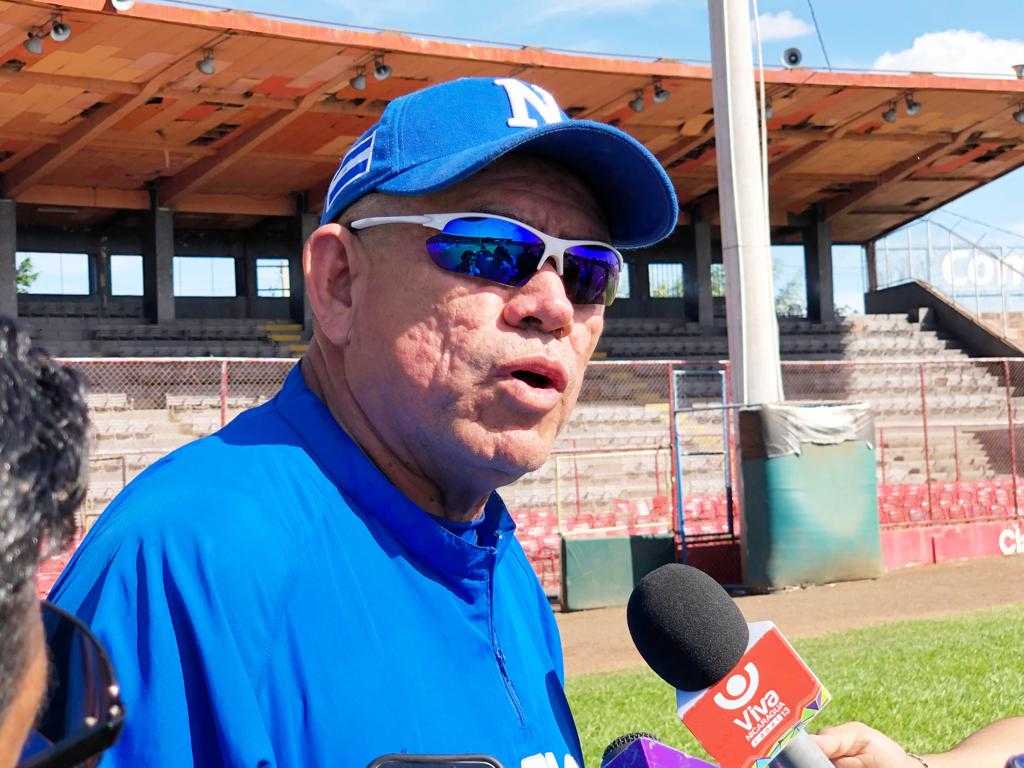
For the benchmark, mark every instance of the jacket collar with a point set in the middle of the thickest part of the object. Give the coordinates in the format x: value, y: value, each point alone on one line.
x: 372, y: 494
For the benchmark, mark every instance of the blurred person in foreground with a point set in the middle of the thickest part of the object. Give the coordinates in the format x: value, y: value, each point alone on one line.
x: 43, y: 449
x: 855, y: 745
x: 331, y: 576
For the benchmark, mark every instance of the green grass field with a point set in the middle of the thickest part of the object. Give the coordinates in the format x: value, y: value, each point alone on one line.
x: 925, y: 683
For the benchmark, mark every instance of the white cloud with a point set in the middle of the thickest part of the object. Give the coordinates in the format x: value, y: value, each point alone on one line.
x: 592, y: 7
x: 782, y: 26
x: 956, y: 50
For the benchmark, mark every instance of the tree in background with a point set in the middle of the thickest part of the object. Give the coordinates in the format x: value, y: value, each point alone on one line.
x: 791, y: 299
x: 718, y: 280
x: 668, y: 290
x: 26, y: 275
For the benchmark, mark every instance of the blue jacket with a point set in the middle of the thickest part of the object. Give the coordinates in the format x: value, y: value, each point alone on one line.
x: 269, y: 598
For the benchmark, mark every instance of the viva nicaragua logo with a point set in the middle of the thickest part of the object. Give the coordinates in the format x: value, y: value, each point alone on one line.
x: 759, y: 717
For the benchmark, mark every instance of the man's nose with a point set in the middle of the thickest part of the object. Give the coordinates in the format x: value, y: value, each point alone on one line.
x: 541, y: 304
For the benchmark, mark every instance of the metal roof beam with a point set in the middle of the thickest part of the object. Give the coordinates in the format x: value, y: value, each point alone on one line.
x: 235, y: 149
x: 901, y: 171
x: 46, y: 160
x: 840, y: 205
x: 138, y: 200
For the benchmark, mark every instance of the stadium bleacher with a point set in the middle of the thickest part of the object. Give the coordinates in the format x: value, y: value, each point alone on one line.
x: 121, y: 337
x: 611, y: 471
x: 856, y: 338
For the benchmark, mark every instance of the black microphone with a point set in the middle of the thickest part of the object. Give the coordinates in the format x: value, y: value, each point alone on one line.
x: 686, y: 627
x: 742, y: 690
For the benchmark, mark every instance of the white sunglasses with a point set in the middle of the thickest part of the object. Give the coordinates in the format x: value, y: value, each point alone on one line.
x: 509, y: 252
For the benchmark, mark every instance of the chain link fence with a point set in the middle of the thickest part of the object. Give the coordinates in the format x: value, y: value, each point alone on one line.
x: 611, y: 471
x: 947, y: 432
x: 647, y: 438
x: 146, y: 407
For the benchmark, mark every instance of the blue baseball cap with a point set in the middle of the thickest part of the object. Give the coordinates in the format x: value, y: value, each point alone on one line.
x: 432, y: 138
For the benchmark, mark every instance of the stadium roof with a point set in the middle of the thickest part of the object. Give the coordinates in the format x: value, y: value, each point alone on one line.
x: 119, y: 111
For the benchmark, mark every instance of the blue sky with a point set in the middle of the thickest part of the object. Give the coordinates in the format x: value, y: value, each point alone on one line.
x: 985, y: 36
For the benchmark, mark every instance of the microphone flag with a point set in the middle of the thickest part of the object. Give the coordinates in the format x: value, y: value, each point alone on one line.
x: 752, y: 714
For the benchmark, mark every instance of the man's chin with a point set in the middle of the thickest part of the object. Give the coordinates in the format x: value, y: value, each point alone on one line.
x: 517, y: 455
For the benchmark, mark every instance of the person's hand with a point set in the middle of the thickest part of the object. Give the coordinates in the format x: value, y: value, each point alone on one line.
x: 855, y: 745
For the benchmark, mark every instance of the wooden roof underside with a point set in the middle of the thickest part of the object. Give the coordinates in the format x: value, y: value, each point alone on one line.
x: 119, y: 109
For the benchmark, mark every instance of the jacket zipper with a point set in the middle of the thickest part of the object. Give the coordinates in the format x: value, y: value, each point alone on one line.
x: 498, y: 654
x: 516, y: 704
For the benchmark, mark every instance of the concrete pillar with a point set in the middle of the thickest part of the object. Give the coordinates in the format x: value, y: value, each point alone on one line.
x: 158, y: 266
x: 640, y: 280
x: 697, y: 282
x: 817, y: 238
x: 872, y: 264
x: 245, y: 272
x: 301, y: 309
x: 8, y: 259
x: 103, y: 278
x: 746, y: 234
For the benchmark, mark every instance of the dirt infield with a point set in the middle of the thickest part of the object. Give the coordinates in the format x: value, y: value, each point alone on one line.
x: 597, y: 641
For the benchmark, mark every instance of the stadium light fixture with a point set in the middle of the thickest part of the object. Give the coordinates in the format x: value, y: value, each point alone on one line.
x: 660, y: 94
x: 890, y: 114
x: 637, y: 102
x: 381, y: 71
x: 1019, y: 115
x: 59, y: 31
x: 122, y: 5
x: 913, y: 105
x: 34, y: 42
x: 207, y: 65
x: 359, y: 81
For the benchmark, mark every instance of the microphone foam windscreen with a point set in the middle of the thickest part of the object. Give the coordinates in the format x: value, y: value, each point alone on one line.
x: 621, y: 744
x: 686, y: 626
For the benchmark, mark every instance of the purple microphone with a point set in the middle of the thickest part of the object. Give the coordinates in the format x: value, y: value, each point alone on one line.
x: 641, y: 750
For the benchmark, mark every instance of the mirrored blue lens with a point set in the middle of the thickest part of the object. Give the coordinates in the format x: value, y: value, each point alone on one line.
x: 507, y: 253
x: 493, y: 249
x: 591, y: 274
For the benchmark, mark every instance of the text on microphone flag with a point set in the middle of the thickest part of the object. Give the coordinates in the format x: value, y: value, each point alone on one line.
x: 748, y: 717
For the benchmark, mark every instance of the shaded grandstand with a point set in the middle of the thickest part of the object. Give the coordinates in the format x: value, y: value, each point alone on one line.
x: 126, y: 159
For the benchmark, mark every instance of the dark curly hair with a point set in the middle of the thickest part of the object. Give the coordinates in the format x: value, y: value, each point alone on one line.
x: 43, y: 458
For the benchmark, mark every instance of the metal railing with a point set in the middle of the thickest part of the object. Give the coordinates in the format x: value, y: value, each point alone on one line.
x: 985, y: 281
x: 948, y: 439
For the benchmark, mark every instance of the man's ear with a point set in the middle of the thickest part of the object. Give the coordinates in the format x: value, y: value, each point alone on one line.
x: 332, y: 261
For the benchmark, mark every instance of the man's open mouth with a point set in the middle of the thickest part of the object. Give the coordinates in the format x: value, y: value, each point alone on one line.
x: 534, y: 379
x: 538, y: 372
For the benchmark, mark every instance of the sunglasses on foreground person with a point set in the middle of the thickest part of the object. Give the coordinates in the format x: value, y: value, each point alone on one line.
x: 59, y: 700
x: 509, y: 252
x: 82, y: 712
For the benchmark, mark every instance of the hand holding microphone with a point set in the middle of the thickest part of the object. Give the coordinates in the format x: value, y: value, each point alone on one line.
x: 855, y: 745
x: 742, y: 691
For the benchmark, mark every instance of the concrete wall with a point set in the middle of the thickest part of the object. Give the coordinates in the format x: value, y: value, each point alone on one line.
x: 972, y: 335
x: 274, y: 239
x: 680, y: 247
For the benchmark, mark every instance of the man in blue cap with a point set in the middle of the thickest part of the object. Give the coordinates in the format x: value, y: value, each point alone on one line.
x: 331, y: 577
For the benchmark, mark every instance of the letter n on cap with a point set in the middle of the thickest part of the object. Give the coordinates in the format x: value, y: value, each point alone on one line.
x: 521, y: 96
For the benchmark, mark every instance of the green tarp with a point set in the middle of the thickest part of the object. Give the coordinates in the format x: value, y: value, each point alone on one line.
x: 601, y: 572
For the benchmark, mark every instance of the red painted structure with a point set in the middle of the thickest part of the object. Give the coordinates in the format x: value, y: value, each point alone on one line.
x: 964, y: 520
